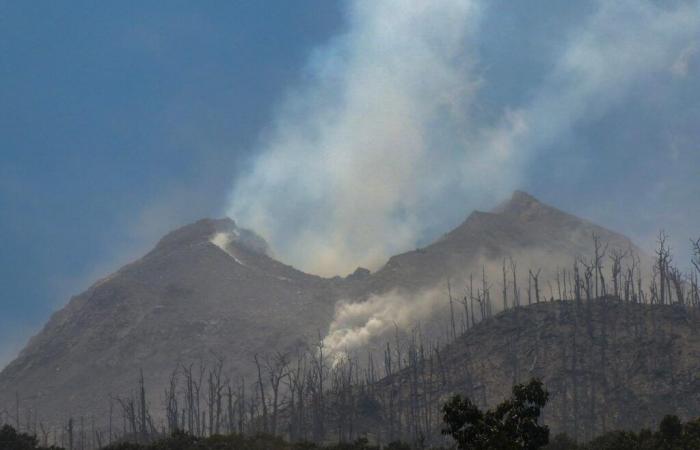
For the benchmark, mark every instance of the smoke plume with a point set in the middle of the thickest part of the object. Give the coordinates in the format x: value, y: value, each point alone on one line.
x: 362, y: 158
x: 360, y: 325
x: 350, y: 169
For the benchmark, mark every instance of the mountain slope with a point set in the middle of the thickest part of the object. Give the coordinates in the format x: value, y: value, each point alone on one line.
x: 534, y: 234
x: 187, y: 299
x: 607, y: 365
x: 210, y: 290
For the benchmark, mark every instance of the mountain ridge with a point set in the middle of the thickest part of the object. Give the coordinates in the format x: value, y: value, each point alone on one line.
x: 193, y: 297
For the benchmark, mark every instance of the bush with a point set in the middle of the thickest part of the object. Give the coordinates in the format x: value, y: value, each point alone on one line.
x: 511, y: 425
x: 10, y: 439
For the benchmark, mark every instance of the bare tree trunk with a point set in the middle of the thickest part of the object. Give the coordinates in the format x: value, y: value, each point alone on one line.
x: 505, y: 286
x: 516, y: 294
x: 452, y: 311
x: 276, y: 371
x: 263, y: 400
x: 142, y: 405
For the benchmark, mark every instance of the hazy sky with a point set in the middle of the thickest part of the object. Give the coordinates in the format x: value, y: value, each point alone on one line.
x: 354, y: 128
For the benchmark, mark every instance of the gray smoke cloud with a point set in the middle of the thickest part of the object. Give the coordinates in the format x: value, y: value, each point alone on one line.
x: 360, y: 160
x: 356, y: 156
x: 622, y: 45
x: 361, y: 324
x: 369, y: 324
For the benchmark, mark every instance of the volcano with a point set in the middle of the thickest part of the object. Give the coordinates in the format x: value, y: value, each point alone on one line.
x: 211, y: 290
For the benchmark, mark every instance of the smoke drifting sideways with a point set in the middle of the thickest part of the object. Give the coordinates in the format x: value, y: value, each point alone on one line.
x: 350, y: 170
x: 362, y: 158
x: 368, y: 325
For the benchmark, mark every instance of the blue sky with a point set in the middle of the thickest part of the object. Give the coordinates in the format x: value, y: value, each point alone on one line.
x: 123, y: 120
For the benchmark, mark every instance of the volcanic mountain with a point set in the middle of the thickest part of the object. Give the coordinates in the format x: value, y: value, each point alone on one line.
x: 211, y: 290
x: 535, y: 235
x: 608, y: 364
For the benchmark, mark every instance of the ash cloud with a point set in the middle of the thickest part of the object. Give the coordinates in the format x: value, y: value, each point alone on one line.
x: 351, y: 167
x: 367, y: 324
x: 362, y: 158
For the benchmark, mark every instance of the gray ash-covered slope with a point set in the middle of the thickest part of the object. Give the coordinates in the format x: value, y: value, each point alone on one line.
x: 205, y: 290
x: 607, y: 365
x: 534, y: 234
x: 209, y: 289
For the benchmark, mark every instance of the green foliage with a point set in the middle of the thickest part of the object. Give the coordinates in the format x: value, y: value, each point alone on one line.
x: 618, y: 440
x: 671, y: 430
x: 184, y: 441
x: 396, y: 445
x: 562, y: 442
x: 671, y: 435
x: 511, y: 425
x: 10, y: 439
x: 360, y: 444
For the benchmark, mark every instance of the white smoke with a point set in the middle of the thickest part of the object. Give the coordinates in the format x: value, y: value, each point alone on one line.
x: 356, y: 157
x: 371, y: 323
x: 621, y: 46
x: 357, y: 325
x: 362, y: 158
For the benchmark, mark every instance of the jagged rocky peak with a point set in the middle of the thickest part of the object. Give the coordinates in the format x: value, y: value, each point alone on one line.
x: 520, y: 202
x: 359, y: 274
x: 221, y: 232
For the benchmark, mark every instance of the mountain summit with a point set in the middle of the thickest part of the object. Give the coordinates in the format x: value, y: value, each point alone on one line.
x: 211, y: 289
x: 533, y: 233
x: 206, y: 290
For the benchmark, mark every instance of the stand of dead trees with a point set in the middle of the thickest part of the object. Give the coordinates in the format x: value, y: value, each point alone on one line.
x: 396, y: 393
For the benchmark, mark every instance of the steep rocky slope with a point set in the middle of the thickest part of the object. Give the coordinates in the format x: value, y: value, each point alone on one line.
x: 210, y: 290
x: 534, y: 234
x: 606, y: 364
x: 187, y: 299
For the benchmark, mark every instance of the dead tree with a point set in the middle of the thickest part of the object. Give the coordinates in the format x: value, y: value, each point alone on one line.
x: 577, y: 284
x: 277, y: 369
x: 142, y: 405
x: 535, y: 277
x: 663, y: 259
x: 465, y: 304
x: 240, y: 399
x: 486, y: 296
x: 297, y: 387
x: 452, y: 311
x: 617, y: 256
x: 516, y: 293
x: 129, y: 415
x: 214, y: 396
x: 471, y: 297
x: 559, y: 293
x: 599, y: 252
x: 388, y: 372
x: 17, y: 420
x: 230, y: 408
x: 505, y: 286
x: 317, y: 378
x: 171, y: 404
x: 70, y: 431
x: 263, y: 399
x: 695, y: 274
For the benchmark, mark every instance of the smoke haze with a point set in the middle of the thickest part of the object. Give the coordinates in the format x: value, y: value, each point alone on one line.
x: 361, y: 159
x: 348, y: 173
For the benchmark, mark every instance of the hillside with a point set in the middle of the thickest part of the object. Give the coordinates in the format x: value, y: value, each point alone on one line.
x: 536, y: 235
x: 210, y: 290
x: 186, y: 300
x: 607, y: 365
